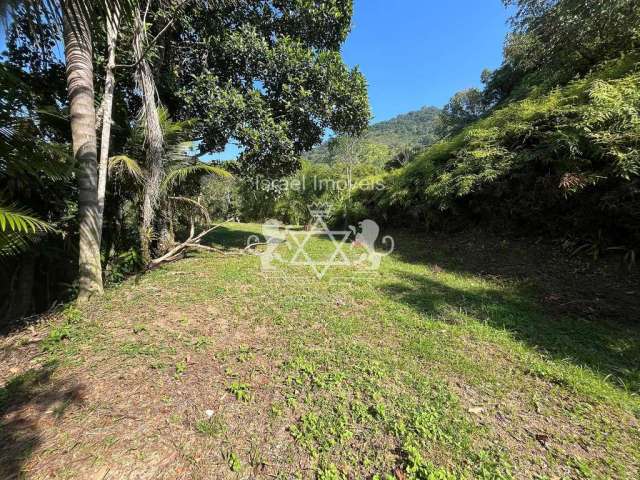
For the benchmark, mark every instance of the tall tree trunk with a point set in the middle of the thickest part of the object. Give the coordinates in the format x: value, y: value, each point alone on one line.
x: 113, y: 22
x: 78, y: 55
x: 154, y: 140
x: 167, y: 238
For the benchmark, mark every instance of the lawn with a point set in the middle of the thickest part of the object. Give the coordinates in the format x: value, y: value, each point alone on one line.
x: 460, y: 358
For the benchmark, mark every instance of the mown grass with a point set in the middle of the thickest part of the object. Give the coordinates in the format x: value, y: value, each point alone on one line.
x: 416, y: 371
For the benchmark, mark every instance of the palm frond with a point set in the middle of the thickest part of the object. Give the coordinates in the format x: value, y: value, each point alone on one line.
x: 180, y: 174
x: 194, y: 203
x: 13, y: 243
x: 19, y: 220
x: 125, y: 164
x: 180, y: 153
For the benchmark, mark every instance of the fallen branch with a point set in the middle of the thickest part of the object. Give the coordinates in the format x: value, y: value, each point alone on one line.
x: 251, y: 245
x: 193, y: 241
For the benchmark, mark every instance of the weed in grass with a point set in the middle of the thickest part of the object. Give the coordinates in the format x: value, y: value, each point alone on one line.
x: 330, y: 472
x: 110, y: 440
x: 276, y: 410
x: 181, y: 368
x: 139, y: 328
x: 57, y: 335
x: 244, y: 354
x: 211, y: 427
x: 241, y: 391
x: 418, y: 468
x: 201, y: 343
x: 233, y: 462
x: 135, y: 349
x: 320, y: 433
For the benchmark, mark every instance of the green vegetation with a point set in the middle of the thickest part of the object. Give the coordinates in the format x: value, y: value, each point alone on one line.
x: 560, y: 159
x: 424, y: 370
x: 466, y: 355
x: 169, y: 85
x: 412, y: 129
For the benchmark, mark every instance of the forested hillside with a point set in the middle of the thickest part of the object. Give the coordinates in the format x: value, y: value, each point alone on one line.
x: 418, y: 128
x: 551, y: 144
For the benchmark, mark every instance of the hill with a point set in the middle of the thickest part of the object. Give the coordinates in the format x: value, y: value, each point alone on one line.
x: 409, y: 129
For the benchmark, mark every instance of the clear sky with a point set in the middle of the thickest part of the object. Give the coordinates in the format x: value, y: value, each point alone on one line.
x: 420, y: 52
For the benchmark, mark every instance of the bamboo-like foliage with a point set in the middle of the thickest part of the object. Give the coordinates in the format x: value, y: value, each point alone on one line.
x: 181, y: 173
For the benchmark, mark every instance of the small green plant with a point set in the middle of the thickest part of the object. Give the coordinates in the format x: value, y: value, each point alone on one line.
x: 233, y: 461
x: 330, y: 472
x: 67, y: 330
x: 139, y: 328
x: 126, y: 263
x: 419, y: 469
x: 276, y: 410
x: 181, y: 368
x: 56, y: 336
x: 241, y: 391
x: 244, y: 354
x: 320, y: 433
x: 201, y: 343
x: 211, y: 427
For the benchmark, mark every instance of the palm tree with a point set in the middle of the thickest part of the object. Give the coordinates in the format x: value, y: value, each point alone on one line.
x: 76, y: 17
x: 181, y: 172
x: 79, y: 58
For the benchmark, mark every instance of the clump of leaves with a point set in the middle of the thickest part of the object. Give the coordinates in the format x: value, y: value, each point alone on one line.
x: 320, y: 433
x: 419, y: 469
x: 67, y: 330
x: 181, y: 368
x: 330, y: 472
x: 241, y: 391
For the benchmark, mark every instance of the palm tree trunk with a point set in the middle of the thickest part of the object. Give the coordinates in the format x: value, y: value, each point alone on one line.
x: 113, y: 21
x: 78, y: 55
x: 154, y: 140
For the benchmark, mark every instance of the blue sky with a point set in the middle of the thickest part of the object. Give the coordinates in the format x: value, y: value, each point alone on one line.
x: 420, y: 52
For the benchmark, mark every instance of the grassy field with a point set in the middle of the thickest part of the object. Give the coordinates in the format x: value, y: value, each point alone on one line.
x: 460, y: 358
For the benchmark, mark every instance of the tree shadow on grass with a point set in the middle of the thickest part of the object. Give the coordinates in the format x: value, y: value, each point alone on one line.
x: 612, y: 349
x: 24, y: 402
x: 229, y: 238
x: 564, y: 285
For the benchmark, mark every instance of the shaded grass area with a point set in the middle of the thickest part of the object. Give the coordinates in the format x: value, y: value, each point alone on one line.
x: 210, y: 368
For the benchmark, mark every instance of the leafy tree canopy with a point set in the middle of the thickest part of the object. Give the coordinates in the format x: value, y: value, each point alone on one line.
x: 269, y: 75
